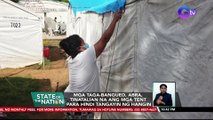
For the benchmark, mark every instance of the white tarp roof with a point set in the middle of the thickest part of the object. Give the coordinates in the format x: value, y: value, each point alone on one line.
x: 154, y: 44
x: 20, y: 36
x: 52, y: 8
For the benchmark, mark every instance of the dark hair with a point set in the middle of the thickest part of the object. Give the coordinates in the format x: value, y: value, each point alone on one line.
x: 163, y: 85
x: 71, y: 45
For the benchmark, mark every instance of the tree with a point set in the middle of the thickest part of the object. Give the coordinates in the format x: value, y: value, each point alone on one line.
x: 16, y: 1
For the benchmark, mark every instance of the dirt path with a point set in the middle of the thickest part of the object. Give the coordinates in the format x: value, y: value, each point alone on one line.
x: 55, y: 72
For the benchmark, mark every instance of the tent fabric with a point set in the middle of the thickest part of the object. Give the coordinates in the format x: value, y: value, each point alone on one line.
x: 20, y: 36
x: 151, y: 43
x: 98, y: 6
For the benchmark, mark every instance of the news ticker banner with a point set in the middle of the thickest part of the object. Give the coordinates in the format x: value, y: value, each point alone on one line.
x: 79, y: 109
x: 100, y: 102
x: 58, y: 99
x: 108, y: 99
x: 106, y: 109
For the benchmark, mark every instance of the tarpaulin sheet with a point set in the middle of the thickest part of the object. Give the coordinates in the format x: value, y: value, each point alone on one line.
x: 98, y: 6
x: 20, y: 37
x: 151, y: 43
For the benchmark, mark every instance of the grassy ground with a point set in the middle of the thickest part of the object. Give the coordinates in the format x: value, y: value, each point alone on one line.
x: 16, y: 91
x: 62, y: 88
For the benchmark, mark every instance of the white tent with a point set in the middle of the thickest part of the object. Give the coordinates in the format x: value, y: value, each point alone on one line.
x: 20, y: 36
x: 151, y: 43
x: 51, y: 8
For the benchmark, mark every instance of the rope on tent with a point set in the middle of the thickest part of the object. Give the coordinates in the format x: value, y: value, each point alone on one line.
x: 112, y: 58
x: 114, y: 47
x: 115, y: 44
x: 6, y: 78
x: 111, y: 63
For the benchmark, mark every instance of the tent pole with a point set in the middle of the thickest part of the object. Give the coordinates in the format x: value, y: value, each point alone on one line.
x: 43, y: 63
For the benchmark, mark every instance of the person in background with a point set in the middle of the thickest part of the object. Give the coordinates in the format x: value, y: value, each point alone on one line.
x: 83, y: 71
x: 163, y: 98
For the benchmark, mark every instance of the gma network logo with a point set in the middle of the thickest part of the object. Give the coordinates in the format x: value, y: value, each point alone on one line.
x: 185, y: 12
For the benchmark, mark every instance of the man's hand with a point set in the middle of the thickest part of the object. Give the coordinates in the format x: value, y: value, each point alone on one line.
x: 100, y: 45
x: 159, y: 101
x: 163, y: 103
x: 118, y: 15
x: 160, y: 98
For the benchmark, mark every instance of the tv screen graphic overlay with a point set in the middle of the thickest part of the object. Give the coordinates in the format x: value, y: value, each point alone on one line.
x: 87, y: 102
x: 163, y: 94
x: 167, y: 99
x: 113, y: 101
x: 100, y: 102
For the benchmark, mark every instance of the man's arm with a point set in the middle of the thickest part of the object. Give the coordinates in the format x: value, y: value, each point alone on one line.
x: 155, y: 100
x: 101, y: 44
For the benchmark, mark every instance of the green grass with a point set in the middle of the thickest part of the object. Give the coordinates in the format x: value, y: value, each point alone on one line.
x: 63, y: 87
x: 16, y: 91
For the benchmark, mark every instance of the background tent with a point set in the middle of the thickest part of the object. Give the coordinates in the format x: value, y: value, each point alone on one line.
x: 151, y: 43
x: 51, y: 8
x: 20, y: 36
